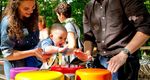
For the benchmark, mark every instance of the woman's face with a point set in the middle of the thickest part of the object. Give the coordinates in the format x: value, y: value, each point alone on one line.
x: 26, y: 8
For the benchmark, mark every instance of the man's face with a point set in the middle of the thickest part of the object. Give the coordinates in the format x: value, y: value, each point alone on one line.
x: 58, y: 37
x: 26, y: 8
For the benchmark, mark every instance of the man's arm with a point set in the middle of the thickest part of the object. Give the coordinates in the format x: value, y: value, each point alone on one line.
x: 139, y: 16
x: 88, y: 35
x: 138, y: 40
x: 88, y: 47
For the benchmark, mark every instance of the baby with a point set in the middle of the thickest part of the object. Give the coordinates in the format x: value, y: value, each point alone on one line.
x: 53, y: 47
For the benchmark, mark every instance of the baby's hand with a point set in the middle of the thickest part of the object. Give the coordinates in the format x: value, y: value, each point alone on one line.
x: 62, y: 49
x: 82, y: 56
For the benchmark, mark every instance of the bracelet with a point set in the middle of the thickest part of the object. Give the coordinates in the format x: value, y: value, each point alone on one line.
x: 126, y: 51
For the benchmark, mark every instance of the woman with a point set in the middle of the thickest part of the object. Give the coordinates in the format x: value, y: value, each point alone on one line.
x: 19, y: 35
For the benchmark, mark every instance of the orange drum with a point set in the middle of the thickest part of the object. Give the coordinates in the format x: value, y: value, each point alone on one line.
x: 40, y: 75
x: 93, y: 74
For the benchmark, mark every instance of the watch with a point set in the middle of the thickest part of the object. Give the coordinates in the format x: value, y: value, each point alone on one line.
x: 126, y: 51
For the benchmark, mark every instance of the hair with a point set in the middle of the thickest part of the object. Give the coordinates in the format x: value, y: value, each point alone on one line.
x: 15, y: 24
x: 64, y: 8
x: 57, y: 26
x: 42, y: 20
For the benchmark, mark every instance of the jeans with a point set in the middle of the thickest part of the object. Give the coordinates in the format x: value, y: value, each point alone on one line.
x: 103, y: 62
x: 129, y: 71
x: 7, y: 67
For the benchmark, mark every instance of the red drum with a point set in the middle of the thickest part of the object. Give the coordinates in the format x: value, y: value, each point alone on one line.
x: 66, y: 68
x: 68, y: 71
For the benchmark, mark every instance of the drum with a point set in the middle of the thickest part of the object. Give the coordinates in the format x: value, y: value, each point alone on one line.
x: 40, y: 75
x: 14, y: 71
x: 93, y: 74
x: 67, y: 70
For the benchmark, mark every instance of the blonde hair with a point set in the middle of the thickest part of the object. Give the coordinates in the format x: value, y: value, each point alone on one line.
x: 57, y: 26
x: 42, y: 20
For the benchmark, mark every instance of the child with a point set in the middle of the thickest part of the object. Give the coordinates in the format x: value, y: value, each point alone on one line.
x: 63, y: 12
x: 42, y: 28
x: 52, y: 47
x: 54, y: 43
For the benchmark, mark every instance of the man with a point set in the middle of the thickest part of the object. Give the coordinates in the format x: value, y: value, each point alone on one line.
x: 119, y: 28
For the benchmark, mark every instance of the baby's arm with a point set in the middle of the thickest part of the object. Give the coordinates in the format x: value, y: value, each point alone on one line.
x: 54, y: 49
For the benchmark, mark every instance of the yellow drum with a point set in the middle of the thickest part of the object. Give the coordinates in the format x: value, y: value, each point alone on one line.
x: 93, y: 74
x: 40, y: 75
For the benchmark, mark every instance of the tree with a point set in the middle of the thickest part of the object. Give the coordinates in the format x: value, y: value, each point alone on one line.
x: 46, y: 8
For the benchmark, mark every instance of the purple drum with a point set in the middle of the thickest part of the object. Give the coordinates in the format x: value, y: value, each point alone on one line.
x: 14, y: 71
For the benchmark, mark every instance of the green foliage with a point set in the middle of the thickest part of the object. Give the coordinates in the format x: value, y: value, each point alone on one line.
x: 77, y: 12
x: 46, y: 8
x: 2, y: 5
x: 147, y: 3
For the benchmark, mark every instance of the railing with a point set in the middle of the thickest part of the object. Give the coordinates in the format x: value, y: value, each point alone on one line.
x: 144, y: 73
x: 2, y: 76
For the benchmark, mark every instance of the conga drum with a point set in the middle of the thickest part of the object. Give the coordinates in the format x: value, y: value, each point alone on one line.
x: 93, y: 74
x: 67, y: 70
x: 14, y: 71
x: 40, y: 75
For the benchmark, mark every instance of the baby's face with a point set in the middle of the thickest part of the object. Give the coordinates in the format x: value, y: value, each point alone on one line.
x: 59, y: 37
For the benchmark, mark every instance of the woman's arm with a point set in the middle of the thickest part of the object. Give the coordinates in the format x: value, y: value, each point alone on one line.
x: 16, y: 55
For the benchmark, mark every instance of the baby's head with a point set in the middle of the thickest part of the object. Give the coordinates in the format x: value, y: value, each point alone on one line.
x: 58, y: 34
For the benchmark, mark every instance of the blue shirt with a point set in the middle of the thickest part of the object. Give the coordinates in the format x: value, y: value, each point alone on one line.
x: 44, y: 43
x: 30, y: 40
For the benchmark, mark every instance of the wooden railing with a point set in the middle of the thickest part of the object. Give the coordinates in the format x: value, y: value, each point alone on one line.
x: 144, y: 63
x: 2, y: 76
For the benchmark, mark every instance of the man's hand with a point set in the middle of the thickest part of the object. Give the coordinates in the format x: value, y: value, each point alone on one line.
x: 82, y: 56
x: 117, y: 61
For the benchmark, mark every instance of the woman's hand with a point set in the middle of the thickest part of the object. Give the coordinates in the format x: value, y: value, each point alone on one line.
x: 38, y: 52
x: 46, y: 56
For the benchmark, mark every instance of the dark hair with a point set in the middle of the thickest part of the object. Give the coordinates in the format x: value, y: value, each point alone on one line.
x: 64, y: 8
x: 57, y: 26
x: 15, y: 23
